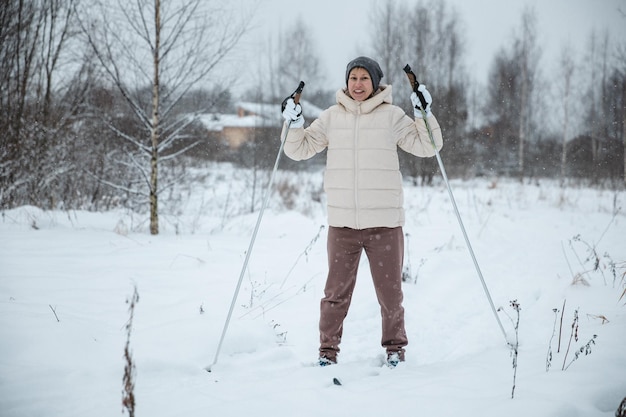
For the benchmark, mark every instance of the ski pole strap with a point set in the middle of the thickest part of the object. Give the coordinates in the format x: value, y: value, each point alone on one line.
x: 415, y: 85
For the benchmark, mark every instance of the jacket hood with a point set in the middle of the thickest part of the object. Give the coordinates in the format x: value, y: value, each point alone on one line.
x: 383, y: 95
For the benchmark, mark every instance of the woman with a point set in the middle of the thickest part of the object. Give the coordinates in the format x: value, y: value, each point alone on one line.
x: 364, y: 195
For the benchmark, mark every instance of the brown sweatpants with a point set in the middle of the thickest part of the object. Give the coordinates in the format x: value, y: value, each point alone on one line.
x: 384, y: 248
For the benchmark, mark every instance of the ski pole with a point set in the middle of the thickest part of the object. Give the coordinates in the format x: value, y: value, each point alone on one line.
x: 415, y: 84
x: 296, y: 98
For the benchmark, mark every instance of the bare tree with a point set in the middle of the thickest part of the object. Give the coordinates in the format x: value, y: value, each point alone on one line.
x: 298, y: 60
x: 427, y: 36
x: 512, y: 102
x: 621, y: 70
x: 566, y: 74
x: 37, y: 111
x: 170, y: 47
x: 388, y: 43
x: 596, y: 63
x: 502, y: 110
x: 527, y: 55
x: 20, y: 25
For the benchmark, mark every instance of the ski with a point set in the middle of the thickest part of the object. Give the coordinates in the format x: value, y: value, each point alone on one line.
x: 378, y: 365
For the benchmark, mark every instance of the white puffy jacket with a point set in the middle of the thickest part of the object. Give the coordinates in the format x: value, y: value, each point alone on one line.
x: 362, y: 178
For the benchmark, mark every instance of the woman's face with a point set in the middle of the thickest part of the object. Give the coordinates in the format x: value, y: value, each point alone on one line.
x: 360, y: 85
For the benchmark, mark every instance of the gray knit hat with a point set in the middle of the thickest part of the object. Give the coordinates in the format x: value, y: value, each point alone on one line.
x: 370, y: 65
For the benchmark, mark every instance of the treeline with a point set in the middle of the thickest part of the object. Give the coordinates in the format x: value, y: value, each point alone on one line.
x: 527, y: 121
x: 99, y: 98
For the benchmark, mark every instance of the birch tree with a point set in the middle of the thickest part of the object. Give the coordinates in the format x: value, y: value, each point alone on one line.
x: 170, y: 46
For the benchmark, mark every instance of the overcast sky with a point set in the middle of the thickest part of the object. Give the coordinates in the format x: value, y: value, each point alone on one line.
x: 341, y: 27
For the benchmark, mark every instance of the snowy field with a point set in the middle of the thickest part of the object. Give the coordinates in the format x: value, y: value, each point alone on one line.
x: 65, y: 278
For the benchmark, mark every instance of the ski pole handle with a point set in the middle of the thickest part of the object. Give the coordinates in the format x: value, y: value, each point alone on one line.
x: 415, y: 85
x: 296, y: 94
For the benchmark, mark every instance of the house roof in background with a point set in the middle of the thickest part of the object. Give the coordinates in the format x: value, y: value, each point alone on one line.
x: 270, y: 110
x: 255, y: 115
x: 216, y: 122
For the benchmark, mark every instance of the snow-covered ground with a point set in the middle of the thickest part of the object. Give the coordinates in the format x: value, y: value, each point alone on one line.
x: 65, y: 278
